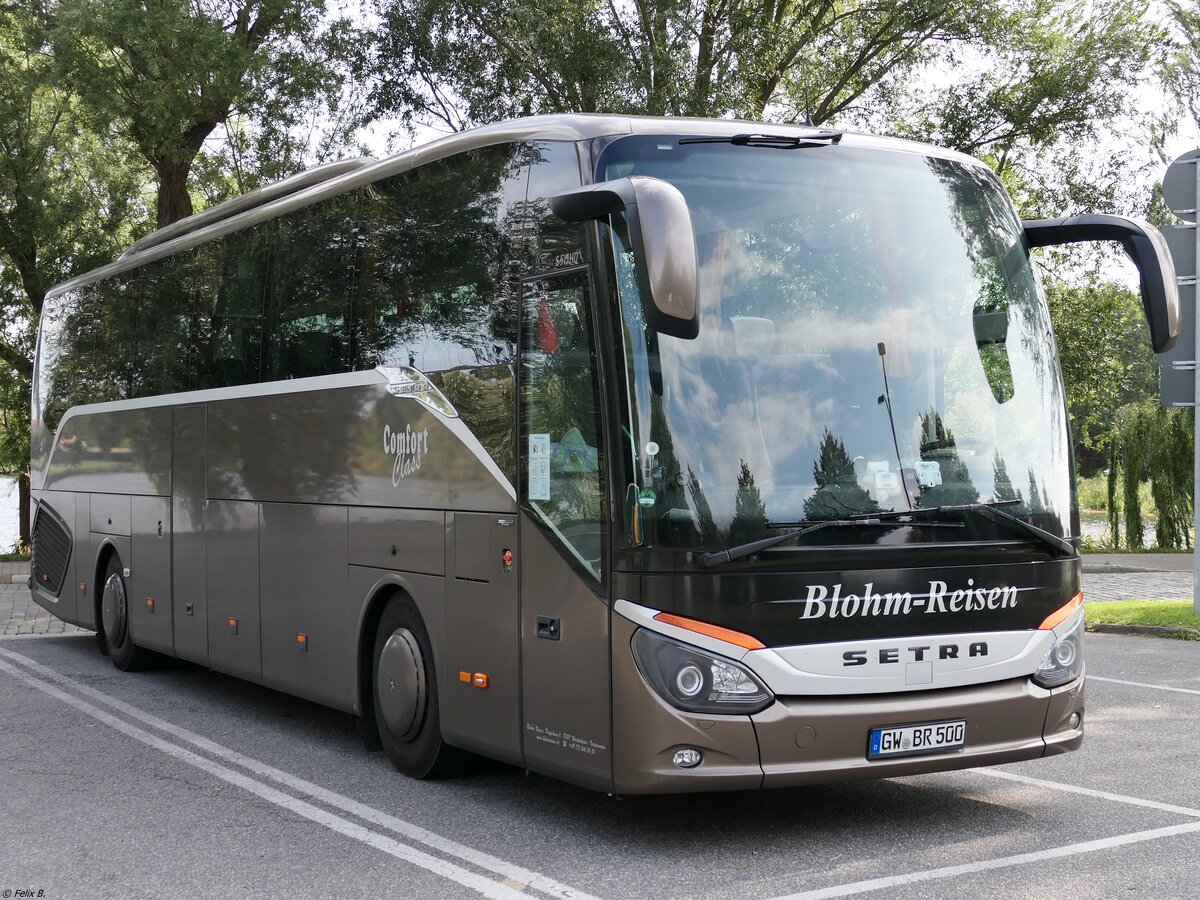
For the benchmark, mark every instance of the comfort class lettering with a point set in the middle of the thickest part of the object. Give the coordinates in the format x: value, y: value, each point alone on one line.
x: 830, y: 603
x: 408, y: 447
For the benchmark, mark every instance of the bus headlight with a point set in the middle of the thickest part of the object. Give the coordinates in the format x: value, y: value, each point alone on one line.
x: 1064, y: 662
x: 695, y: 680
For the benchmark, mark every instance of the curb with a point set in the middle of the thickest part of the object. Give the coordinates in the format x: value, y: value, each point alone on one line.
x: 1145, y: 630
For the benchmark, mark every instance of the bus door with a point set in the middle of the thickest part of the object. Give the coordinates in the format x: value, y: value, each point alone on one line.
x: 566, y: 719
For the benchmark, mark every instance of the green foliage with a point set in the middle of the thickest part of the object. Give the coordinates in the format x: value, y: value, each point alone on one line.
x: 473, y: 60
x: 1180, y: 67
x: 167, y: 73
x: 1104, y: 350
x: 1150, y: 441
x: 69, y: 198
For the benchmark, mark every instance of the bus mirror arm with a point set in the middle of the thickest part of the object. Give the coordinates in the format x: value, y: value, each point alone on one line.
x: 663, y: 244
x: 1143, y: 243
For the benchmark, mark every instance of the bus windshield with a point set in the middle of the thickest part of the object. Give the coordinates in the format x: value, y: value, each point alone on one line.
x: 872, y: 339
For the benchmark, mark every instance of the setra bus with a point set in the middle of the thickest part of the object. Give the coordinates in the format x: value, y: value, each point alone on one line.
x: 653, y: 454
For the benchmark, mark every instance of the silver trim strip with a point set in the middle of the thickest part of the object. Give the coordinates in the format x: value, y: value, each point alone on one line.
x: 813, y: 669
x: 450, y: 420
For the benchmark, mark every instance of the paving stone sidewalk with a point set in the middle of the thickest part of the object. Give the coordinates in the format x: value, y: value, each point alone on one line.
x: 19, y: 615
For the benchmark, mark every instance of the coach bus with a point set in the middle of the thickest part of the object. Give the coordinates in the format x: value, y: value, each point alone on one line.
x: 652, y: 454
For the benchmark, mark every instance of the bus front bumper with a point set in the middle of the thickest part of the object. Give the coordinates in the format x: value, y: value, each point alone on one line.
x: 809, y: 740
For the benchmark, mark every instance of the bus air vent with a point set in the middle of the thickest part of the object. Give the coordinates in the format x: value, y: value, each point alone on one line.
x: 51, y: 550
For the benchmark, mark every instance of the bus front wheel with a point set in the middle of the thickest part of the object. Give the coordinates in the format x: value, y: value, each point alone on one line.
x: 405, y: 695
x: 115, y: 639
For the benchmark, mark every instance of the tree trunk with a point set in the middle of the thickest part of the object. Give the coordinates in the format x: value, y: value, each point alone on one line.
x: 23, y: 506
x: 174, y: 201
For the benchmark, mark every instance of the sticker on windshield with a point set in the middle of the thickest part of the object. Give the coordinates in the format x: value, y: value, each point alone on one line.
x: 887, y: 481
x: 929, y: 472
x: 647, y: 498
x: 539, y: 467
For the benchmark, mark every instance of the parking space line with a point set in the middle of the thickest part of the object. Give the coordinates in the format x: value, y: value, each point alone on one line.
x: 510, y: 888
x: 894, y: 881
x: 1142, y: 684
x: 408, y: 830
x: 1088, y: 792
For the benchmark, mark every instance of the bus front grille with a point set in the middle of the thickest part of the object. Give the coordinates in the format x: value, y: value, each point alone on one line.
x: 51, y: 551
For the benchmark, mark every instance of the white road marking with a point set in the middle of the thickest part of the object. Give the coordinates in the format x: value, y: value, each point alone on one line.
x: 1157, y: 687
x: 1089, y: 792
x: 338, y: 801
x: 513, y: 875
x: 894, y: 881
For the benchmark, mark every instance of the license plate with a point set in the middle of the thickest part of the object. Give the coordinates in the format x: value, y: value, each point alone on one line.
x: 907, y: 740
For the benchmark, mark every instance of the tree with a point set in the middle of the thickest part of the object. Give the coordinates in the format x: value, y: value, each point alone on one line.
x: 167, y: 73
x: 1055, y: 76
x: 1180, y: 70
x: 68, y: 199
x: 1027, y: 75
x: 662, y: 57
x: 1106, y: 359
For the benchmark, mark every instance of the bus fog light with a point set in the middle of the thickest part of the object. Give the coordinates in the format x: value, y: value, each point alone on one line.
x: 696, y: 680
x: 1074, y: 721
x: 687, y: 758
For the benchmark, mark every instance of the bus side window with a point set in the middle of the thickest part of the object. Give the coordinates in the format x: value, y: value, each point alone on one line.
x: 560, y: 406
x: 437, y: 290
x: 310, y: 291
x: 238, y: 307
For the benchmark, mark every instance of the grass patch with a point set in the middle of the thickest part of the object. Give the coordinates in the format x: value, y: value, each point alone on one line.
x: 1093, y: 496
x: 1170, y: 613
x: 14, y: 557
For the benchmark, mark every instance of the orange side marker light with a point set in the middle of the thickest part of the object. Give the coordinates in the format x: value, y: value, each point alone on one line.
x: 464, y: 677
x: 1061, y: 614
x: 480, y: 680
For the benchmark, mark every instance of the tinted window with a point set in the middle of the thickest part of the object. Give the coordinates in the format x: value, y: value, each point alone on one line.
x: 418, y: 270
x: 237, y: 306
x: 440, y: 256
x: 312, y: 287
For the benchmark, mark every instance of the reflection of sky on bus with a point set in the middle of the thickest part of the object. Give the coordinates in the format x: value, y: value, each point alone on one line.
x: 810, y: 261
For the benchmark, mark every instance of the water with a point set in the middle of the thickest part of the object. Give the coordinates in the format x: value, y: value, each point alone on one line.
x: 1095, y: 526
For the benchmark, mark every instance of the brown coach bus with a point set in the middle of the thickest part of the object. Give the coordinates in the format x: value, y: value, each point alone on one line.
x: 653, y: 454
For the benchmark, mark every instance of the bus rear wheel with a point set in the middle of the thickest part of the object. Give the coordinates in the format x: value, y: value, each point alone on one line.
x: 115, y: 639
x: 404, y: 689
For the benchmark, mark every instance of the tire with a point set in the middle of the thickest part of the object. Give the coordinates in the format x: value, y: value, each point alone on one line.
x: 113, y: 632
x: 404, y: 695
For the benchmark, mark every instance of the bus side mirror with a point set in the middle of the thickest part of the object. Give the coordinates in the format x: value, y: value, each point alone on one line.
x: 664, y: 248
x: 1144, y: 244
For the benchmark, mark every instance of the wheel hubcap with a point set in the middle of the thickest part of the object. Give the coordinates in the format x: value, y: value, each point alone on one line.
x: 401, y: 684
x: 113, y: 609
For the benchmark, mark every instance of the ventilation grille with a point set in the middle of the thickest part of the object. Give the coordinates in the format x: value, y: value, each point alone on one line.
x: 51, y: 550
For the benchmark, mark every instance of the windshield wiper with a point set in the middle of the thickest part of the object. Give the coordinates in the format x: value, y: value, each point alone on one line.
x: 993, y: 512
x: 884, y: 520
x: 897, y: 519
x: 782, y: 141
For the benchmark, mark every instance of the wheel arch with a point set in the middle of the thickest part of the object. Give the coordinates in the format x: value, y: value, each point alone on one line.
x: 107, y: 549
x: 384, y: 589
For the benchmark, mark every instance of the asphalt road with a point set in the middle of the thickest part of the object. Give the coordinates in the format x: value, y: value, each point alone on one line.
x: 182, y: 783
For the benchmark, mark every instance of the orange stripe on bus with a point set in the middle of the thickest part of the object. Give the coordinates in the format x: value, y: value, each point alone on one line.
x: 714, y: 631
x: 1063, y: 613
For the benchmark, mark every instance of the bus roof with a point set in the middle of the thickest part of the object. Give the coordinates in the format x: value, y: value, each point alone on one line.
x: 331, y: 179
